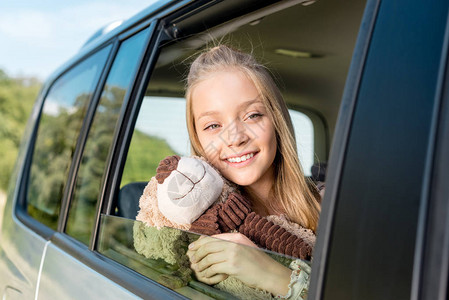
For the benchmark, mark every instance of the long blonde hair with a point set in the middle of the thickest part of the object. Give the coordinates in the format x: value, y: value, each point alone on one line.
x: 290, y: 187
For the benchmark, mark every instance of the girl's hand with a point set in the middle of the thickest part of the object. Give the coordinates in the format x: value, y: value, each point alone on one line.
x: 213, y: 260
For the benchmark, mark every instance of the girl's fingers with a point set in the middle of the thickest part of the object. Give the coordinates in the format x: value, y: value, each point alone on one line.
x: 207, y: 261
x: 212, y: 246
x: 199, y: 242
x: 213, y: 271
x: 214, y: 279
x: 212, y: 260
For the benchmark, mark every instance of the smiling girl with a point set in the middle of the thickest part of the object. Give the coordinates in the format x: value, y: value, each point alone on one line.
x: 237, y: 119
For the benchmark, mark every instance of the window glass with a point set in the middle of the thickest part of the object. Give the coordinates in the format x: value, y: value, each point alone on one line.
x: 160, y: 254
x: 88, y: 183
x: 60, y: 123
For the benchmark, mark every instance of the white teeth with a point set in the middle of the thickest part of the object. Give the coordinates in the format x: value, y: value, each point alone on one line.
x: 240, y: 159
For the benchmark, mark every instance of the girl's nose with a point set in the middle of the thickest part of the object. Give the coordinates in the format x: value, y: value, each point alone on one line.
x: 237, y: 134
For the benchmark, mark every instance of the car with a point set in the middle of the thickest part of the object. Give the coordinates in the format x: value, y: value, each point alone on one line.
x: 366, y: 85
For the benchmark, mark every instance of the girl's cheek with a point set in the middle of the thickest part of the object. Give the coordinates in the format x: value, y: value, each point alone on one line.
x: 211, y: 148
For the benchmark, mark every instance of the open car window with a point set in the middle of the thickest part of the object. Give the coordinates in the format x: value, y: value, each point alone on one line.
x: 160, y: 254
x: 311, y: 83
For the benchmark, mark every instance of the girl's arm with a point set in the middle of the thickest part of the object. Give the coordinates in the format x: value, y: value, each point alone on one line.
x: 213, y: 260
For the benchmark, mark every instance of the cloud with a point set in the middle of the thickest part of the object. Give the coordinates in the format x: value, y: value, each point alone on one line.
x: 28, y: 25
x: 47, y: 28
x: 39, y: 40
x: 54, y: 108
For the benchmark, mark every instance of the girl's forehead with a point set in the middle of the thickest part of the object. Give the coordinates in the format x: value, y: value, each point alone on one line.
x: 223, y: 88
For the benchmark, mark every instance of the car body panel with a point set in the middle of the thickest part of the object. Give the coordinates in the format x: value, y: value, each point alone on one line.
x: 20, y: 261
x: 58, y: 271
x: 20, y: 248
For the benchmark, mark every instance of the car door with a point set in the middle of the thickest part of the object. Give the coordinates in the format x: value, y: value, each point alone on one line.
x: 373, y: 232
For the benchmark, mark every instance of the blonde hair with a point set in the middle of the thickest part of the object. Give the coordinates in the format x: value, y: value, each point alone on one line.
x: 290, y: 187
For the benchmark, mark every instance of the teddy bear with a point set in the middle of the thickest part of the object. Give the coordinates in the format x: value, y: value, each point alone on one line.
x: 188, y: 193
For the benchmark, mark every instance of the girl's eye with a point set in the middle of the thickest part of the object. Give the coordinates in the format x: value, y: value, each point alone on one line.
x: 212, y: 126
x: 255, y: 116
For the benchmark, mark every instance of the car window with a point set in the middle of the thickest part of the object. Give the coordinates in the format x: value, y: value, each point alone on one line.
x: 60, y: 123
x: 88, y: 182
x: 160, y: 127
x: 160, y: 130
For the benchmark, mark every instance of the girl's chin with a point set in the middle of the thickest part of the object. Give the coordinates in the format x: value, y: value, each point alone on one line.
x: 240, y: 179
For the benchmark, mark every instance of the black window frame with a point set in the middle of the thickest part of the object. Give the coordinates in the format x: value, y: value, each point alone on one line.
x: 431, y: 263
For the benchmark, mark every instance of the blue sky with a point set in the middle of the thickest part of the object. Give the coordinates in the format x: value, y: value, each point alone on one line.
x: 36, y: 37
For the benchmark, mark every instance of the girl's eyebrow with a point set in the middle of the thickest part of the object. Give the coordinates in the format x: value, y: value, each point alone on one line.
x: 250, y: 102
x: 208, y: 113
x: 240, y: 106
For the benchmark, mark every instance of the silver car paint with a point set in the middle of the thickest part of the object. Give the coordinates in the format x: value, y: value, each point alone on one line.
x: 64, y: 277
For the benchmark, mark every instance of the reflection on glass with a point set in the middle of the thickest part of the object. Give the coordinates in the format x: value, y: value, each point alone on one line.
x: 88, y: 183
x: 161, y: 256
x: 62, y: 116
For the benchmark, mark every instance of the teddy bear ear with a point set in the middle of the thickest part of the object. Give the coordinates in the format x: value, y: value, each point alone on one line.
x: 166, y: 166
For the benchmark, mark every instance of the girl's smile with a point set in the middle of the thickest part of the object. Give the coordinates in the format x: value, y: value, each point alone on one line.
x: 243, y: 160
x: 234, y: 128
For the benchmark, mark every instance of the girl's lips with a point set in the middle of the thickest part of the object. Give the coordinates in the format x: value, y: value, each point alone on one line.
x: 242, y: 160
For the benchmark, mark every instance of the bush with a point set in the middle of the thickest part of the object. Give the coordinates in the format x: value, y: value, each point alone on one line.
x: 17, y: 96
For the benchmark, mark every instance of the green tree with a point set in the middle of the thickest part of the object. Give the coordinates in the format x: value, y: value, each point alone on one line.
x: 17, y: 96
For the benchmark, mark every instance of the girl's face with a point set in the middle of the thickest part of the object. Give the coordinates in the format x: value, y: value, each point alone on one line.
x: 234, y: 128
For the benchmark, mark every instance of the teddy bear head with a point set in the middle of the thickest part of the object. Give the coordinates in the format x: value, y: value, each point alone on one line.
x: 186, y: 187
